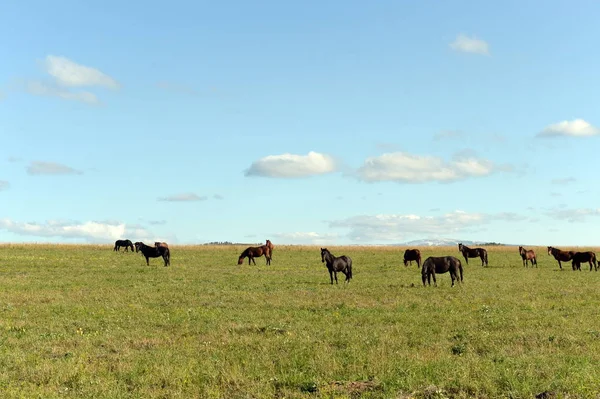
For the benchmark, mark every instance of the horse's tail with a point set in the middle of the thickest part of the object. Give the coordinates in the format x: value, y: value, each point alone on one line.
x: 167, y: 257
x: 460, y: 268
x: 485, y: 256
x: 349, y: 268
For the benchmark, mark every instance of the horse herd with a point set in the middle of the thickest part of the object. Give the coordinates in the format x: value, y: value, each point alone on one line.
x: 343, y: 264
x: 159, y: 249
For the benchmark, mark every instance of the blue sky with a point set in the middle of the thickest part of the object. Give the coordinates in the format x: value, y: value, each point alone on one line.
x: 334, y: 122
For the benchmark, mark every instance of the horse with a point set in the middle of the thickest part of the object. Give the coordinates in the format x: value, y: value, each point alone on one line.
x: 412, y: 254
x: 560, y: 256
x: 528, y: 255
x: 252, y: 252
x: 441, y: 264
x: 270, y: 245
x: 161, y: 244
x: 123, y: 243
x: 582, y: 257
x: 335, y: 264
x: 153, y: 252
x: 473, y: 253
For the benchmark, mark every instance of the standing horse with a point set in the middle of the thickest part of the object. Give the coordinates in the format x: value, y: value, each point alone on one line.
x: 412, y: 254
x: 560, y: 256
x: 123, y: 243
x: 473, y: 253
x: 161, y: 244
x: 441, y: 264
x: 252, y: 252
x: 337, y: 264
x: 153, y: 252
x: 528, y: 255
x: 582, y: 257
x: 270, y: 246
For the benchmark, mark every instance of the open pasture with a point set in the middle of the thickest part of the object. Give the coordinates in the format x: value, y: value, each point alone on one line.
x: 85, y: 321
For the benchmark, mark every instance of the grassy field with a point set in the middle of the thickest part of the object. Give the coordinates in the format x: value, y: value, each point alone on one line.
x: 85, y: 322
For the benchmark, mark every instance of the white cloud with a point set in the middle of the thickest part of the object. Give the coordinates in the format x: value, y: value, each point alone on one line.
x: 408, y: 168
x: 572, y: 215
x: 89, y: 231
x: 574, y: 128
x: 69, y: 73
x: 183, y: 198
x: 218, y: 197
x: 50, y: 168
x: 42, y: 89
x: 4, y: 185
x: 448, y: 134
x: 292, y: 166
x: 565, y: 180
x: 466, y: 44
x: 307, y: 238
x: 394, y: 228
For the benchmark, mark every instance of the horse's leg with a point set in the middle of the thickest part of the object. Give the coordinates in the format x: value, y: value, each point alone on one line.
x: 559, y: 265
x: 452, y: 276
x: 147, y: 261
x: 335, y: 275
x: 331, y: 276
x: 434, y: 280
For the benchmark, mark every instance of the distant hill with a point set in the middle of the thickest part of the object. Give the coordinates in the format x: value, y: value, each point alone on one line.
x: 437, y: 242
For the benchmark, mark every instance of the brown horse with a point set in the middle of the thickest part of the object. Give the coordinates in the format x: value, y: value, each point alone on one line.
x: 270, y: 246
x: 560, y: 256
x: 412, y: 254
x: 158, y: 244
x: 582, y: 257
x: 473, y: 253
x: 441, y: 264
x: 528, y: 255
x: 252, y: 252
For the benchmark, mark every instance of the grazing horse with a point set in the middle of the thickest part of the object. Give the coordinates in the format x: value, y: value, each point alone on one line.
x: 582, y: 257
x: 560, y: 256
x: 123, y: 243
x: 412, y: 254
x: 473, y: 253
x: 337, y: 264
x: 252, y: 252
x: 153, y: 252
x: 528, y: 255
x: 441, y: 264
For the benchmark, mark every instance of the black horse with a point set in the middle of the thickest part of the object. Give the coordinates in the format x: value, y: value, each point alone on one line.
x: 441, y: 264
x: 561, y: 256
x: 123, y: 243
x: 412, y: 254
x: 153, y: 252
x: 583, y: 257
x: 473, y: 253
x: 337, y: 264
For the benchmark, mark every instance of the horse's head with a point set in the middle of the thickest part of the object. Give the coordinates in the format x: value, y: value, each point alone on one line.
x: 521, y: 250
x: 137, y: 246
x: 323, y: 252
x: 549, y: 250
x: 460, y: 247
x: 240, y: 260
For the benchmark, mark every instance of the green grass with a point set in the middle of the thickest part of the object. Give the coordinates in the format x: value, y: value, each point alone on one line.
x: 85, y: 322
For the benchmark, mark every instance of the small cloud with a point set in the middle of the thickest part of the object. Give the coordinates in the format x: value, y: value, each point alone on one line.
x: 42, y: 89
x: 157, y: 222
x: 565, y: 180
x: 408, y: 168
x: 185, y: 197
x: 572, y: 215
x: 466, y: 44
x: 574, y: 128
x: 448, y: 135
x: 292, y: 166
x: 71, y: 74
x: 554, y: 194
x: 4, y: 185
x: 51, y: 168
x: 218, y: 197
x: 14, y: 159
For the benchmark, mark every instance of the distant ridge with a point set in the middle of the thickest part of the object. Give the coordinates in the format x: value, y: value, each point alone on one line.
x: 438, y: 242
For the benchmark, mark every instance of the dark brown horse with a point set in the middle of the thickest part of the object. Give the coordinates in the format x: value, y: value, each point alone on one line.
x: 252, y: 252
x: 560, y: 256
x: 337, y: 264
x: 583, y: 257
x: 528, y: 255
x: 123, y: 243
x: 473, y: 253
x: 441, y: 264
x: 412, y: 254
x: 153, y: 252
